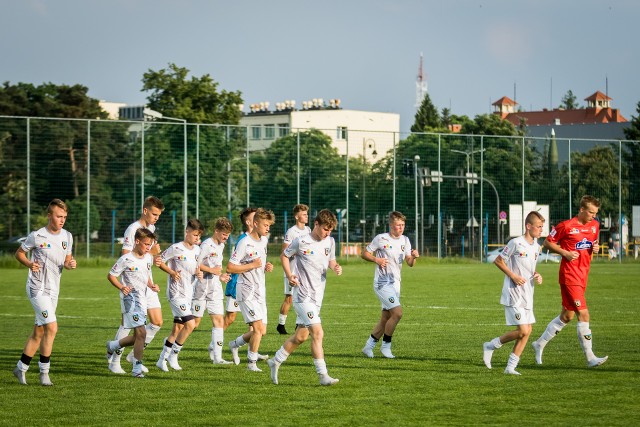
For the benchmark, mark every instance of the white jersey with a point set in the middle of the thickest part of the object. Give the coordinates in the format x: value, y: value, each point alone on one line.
x: 294, y: 232
x: 130, y: 234
x: 394, y: 250
x: 49, y: 251
x: 251, y: 284
x: 521, y: 258
x: 179, y: 258
x: 135, y: 273
x: 311, y: 259
x: 211, y: 254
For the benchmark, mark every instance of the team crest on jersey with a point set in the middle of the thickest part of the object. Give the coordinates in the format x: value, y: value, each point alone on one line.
x: 326, y: 251
x: 402, y: 248
x: 310, y: 314
x: 148, y: 266
x: 183, y: 307
x: 593, y: 230
x: 518, y: 316
x: 252, y: 313
x: 197, y: 307
x: 64, y: 245
x: 584, y: 244
x: 136, y: 317
x: 392, y: 300
x: 577, y: 303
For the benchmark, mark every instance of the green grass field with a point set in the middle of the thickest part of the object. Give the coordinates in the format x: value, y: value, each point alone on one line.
x: 438, y: 377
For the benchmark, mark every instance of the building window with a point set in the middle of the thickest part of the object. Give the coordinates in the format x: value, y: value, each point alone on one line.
x: 269, y: 132
x: 283, y: 130
x: 342, y: 132
x: 256, y: 132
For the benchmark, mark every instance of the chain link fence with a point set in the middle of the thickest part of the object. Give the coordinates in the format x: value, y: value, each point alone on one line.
x: 463, y: 195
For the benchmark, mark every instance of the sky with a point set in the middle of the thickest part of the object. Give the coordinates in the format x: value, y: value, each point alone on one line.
x: 364, y: 52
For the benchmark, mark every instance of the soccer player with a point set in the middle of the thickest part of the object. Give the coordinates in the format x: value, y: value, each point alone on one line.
x: 246, y: 219
x: 312, y: 255
x: 151, y: 210
x: 51, y: 251
x: 389, y: 251
x: 134, y: 271
x: 180, y: 262
x: 575, y: 240
x: 249, y: 261
x: 208, y: 292
x: 301, y: 215
x: 518, y: 263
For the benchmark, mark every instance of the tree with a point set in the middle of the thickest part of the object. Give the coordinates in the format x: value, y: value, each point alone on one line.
x: 631, y: 156
x: 427, y: 118
x: 196, y: 100
x: 569, y: 101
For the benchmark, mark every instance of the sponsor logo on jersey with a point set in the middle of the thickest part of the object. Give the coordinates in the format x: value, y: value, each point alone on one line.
x: 45, y: 245
x: 326, y: 251
x: 577, y: 303
x: 213, y: 255
x: 64, y: 245
x: 574, y: 231
x: 584, y: 244
x: 181, y: 258
x: 307, y: 252
x: 522, y: 254
x: 134, y: 268
x: 387, y: 247
x: 310, y: 314
x: 45, y: 314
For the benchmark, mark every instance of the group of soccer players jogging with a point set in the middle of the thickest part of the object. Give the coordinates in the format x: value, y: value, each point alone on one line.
x: 195, y: 278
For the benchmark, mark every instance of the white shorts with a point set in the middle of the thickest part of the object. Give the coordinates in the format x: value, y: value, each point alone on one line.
x: 180, y: 307
x: 213, y: 307
x: 134, y: 319
x: 45, y: 308
x: 152, y: 299
x: 518, y: 316
x: 388, y: 296
x: 252, y: 311
x: 232, y: 305
x: 307, y: 313
x: 287, y: 287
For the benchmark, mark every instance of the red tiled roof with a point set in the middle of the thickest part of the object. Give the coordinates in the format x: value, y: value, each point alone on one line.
x: 597, y: 96
x: 505, y: 100
x: 566, y: 117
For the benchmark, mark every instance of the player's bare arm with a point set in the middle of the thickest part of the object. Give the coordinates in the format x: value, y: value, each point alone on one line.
x: 554, y: 247
x: 518, y: 280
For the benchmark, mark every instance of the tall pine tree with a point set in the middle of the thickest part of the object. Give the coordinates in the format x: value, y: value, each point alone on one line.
x: 427, y: 119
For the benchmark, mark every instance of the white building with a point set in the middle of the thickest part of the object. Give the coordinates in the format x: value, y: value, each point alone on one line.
x: 366, y: 131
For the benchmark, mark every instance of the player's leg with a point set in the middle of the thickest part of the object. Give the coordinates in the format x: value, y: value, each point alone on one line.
x: 395, y: 314
x: 376, y: 333
x: 556, y: 325
x: 586, y: 340
x: 513, y: 317
x: 291, y: 344
x: 317, y: 351
x: 523, y: 332
x: 139, y: 335
x: 232, y: 309
x: 30, y: 348
x: 187, y: 327
x: 217, y: 339
x: 248, y: 309
x: 284, y: 309
x: 254, y: 345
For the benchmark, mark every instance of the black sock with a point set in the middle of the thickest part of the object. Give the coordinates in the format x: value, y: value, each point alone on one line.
x: 386, y: 338
x: 45, y: 359
x: 25, y: 359
x: 374, y: 338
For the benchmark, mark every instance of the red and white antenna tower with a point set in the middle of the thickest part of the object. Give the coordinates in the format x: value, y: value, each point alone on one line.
x: 421, y: 84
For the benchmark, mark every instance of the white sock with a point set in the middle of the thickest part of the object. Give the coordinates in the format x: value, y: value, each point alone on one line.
x: 321, y: 366
x: 44, y: 367
x: 281, y: 355
x: 513, y: 362
x: 22, y: 366
x: 584, y: 336
x: 282, y: 319
x: 217, y: 335
x: 114, y: 346
x: 371, y: 342
x: 176, y: 348
x: 553, y: 328
x: 252, y: 357
x: 239, y: 342
x: 152, y: 330
x: 496, y: 343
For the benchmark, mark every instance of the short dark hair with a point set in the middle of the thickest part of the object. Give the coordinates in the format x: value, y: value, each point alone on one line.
x: 326, y: 218
x: 195, y: 225
x: 223, y: 224
x: 144, y: 233
x: 153, y: 202
x: 586, y: 199
x: 395, y: 216
x: 244, y: 215
x: 532, y: 216
x: 58, y: 203
x: 299, y: 208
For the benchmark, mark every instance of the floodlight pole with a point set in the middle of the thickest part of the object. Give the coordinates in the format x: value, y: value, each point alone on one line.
x: 416, y: 159
x: 469, y: 183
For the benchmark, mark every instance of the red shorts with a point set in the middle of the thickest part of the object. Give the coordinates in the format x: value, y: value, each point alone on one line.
x: 573, y: 297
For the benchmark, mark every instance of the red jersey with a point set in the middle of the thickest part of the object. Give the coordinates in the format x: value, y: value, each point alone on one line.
x: 573, y: 236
